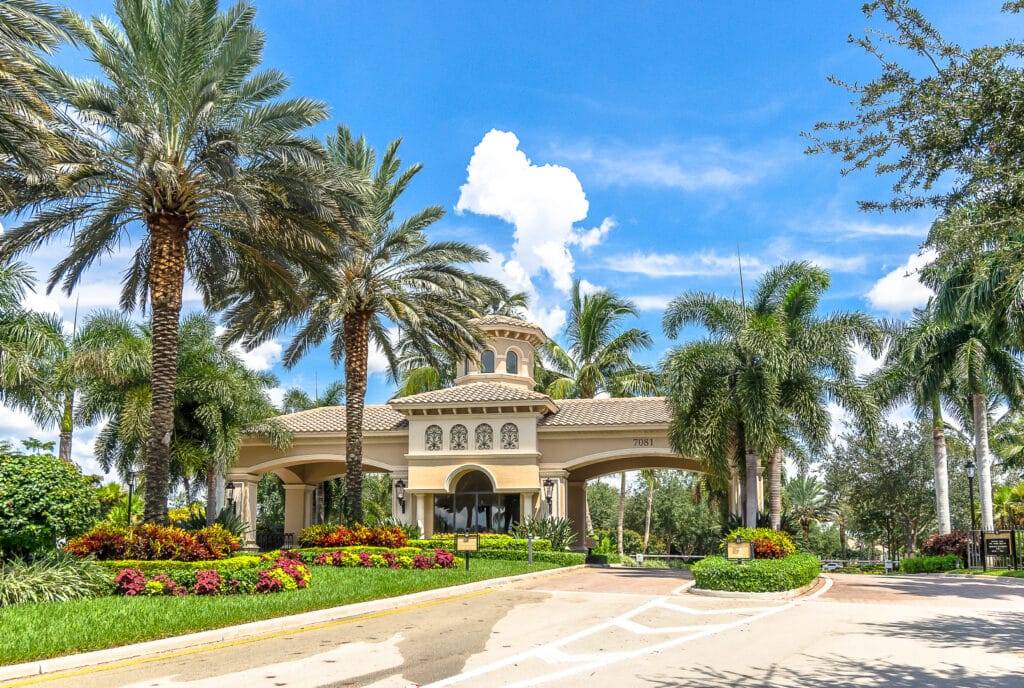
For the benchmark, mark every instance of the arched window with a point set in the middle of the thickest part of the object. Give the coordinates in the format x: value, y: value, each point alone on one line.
x: 484, y: 436
x: 511, y: 363
x: 509, y: 436
x: 465, y: 370
x: 487, y: 361
x: 433, y: 438
x: 459, y: 438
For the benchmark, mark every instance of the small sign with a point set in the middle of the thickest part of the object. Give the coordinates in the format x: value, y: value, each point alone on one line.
x: 997, y: 544
x: 739, y: 549
x: 467, y: 543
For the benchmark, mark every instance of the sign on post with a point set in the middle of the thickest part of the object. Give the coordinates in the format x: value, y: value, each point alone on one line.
x: 467, y: 543
x: 739, y: 549
x: 997, y: 544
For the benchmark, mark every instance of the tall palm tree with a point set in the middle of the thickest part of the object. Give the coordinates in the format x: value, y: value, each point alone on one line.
x: 807, y: 502
x: 762, y: 378
x: 296, y: 399
x: 651, y: 478
x: 26, y: 339
x: 184, y: 141
x: 29, y: 32
x: 386, y: 273
x: 907, y: 377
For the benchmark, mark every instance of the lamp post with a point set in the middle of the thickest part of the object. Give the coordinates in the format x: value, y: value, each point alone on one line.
x: 229, y: 496
x: 400, y: 493
x: 970, y: 488
x: 549, y: 488
x: 131, y: 492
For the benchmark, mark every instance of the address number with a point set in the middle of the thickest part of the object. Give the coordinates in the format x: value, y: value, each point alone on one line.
x: 643, y: 441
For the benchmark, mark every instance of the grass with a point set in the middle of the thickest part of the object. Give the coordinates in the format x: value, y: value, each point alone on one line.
x: 1007, y: 573
x: 51, y: 629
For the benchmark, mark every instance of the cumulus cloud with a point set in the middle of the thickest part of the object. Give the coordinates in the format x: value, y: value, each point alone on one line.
x: 901, y: 289
x: 651, y: 302
x: 542, y: 202
x: 703, y: 264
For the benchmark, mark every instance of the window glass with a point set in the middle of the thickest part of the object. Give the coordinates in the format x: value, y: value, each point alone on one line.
x: 487, y: 361
x: 511, y: 363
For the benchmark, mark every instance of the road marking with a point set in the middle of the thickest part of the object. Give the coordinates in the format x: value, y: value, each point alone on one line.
x: 552, y: 652
x: 46, y: 678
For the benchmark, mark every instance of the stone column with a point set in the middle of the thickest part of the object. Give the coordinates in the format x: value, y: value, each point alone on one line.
x: 557, y: 509
x: 298, y: 510
x: 245, y: 506
x: 526, y: 504
x: 576, y: 505
x: 760, y: 489
x: 419, y: 515
x: 735, y: 493
x: 403, y: 514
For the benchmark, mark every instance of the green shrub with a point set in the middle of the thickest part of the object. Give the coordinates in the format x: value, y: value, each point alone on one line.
x: 558, y: 531
x: 239, y: 563
x: 768, y: 543
x: 54, y: 578
x: 308, y: 553
x: 560, y: 558
x: 492, y: 541
x: 934, y: 564
x: 759, y: 575
x: 41, y: 499
x: 632, y: 541
x: 324, y: 535
x: 152, y: 542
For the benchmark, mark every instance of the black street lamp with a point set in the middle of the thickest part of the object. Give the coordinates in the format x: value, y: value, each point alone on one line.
x: 229, y: 496
x: 400, y: 493
x: 131, y: 492
x: 970, y: 488
x: 549, y: 487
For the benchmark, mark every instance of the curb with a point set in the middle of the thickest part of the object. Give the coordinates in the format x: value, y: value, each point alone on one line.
x: 256, y: 628
x: 783, y: 595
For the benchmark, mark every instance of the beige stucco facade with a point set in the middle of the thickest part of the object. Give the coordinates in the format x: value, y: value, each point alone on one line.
x: 491, y: 422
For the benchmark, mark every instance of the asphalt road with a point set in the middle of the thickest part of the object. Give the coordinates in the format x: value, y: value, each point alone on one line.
x: 621, y: 627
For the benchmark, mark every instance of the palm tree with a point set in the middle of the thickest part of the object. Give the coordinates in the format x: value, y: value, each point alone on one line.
x: 296, y: 399
x: 807, y: 502
x: 387, y: 272
x: 26, y: 339
x: 184, y: 140
x: 763, y: 376
x: 651, y: 478
x: 29, y: 30
x: 907, y: 377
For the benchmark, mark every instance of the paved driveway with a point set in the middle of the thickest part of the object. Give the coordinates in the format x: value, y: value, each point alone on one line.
x: 620, y: 627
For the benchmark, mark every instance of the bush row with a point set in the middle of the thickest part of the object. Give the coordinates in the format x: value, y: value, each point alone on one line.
x: 308, y: 553
x: 222, y: 566
x: 934, y: 564
x: 152, y: 542
x: 324, y: 535
x: 559, y: 558
x: 768, y: 543
x: 759, y: 575
x: 492, y: 541
x: 439, y: 559
x: 283, y: 573
x: 951, y: 543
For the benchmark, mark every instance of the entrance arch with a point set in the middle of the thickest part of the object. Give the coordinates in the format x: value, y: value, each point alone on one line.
x: 474, y: 505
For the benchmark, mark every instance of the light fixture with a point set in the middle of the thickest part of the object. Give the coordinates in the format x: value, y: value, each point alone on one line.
x: 549, y: 488
x: 229, y: 496
x: 131, y: 490
x: 400, y: 493
x: 970, y: 469
x: 970, y: 491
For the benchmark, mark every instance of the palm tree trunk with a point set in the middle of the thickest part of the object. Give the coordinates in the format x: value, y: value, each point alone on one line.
x: 753, y: 463
x: 940, y: 469
x: 622, y: 507
x: 211, y: 493
x: 775, y: 487
x: 166, y: 279
x: 67, y: 425
x: 357, y: 343
x: 647, y: 516
x: 983, y: 459
x: 588, y: 522
x: 842, y: 536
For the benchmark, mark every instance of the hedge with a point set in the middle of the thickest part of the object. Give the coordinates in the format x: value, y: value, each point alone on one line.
x: 308, y: 553
x: 759, y: 575
x: 487, y: 541
x: 149, y: 567
x: 559, y: 558
x: 934, y: 564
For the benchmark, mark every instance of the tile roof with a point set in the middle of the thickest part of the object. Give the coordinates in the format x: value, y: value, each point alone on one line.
x: 506, y: 320
x: 376, y: 418
x: 637, y: 410
x: 473, y: 392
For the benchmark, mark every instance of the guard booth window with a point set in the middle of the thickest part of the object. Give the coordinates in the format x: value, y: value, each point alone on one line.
x: 476, y: 507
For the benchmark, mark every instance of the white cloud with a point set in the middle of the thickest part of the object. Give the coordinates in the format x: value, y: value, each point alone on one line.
x: 901, y: 290
x: 543, y: 202
x: 651, y: 302
x: 695, y: 166
x: 511, y: 274
x: 863, y: 362
x: 263, y: 357
x: 872, y: 229
x: 276, y: 395
x: 705, y: 264
x: 587, y: 288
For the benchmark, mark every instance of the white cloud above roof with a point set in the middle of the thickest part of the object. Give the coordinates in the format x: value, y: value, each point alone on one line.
x: 901, y: 290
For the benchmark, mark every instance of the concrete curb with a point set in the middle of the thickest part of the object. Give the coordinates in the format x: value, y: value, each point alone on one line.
x: 256, y: 628
x: 784, y: 595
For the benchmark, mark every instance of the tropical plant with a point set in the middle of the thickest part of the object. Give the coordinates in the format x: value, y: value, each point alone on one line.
x: 386, y: 272
x: 651, y: 478
x: 54, y: 577
x: 558, y: 531
x: 186, y: 140
x: 763, y: 378
x: 807, y: 502
x: 296, y: 399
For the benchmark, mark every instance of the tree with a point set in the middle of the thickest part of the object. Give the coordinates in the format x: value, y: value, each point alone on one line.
x: 650, y: 477
x: 41, y: 498
x: 807, y: 502
x: 296, y: 399
x: 185, y: 140
x: 386, y: 272
x: 763, y: 377
x: 907, y: 376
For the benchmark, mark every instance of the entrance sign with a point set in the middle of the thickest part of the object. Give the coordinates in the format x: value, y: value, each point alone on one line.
x: 997, y: 544
x: 467, y: 543
x: 739, y: 549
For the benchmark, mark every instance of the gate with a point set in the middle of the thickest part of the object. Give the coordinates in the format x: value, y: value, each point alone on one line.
x: 995, y: 549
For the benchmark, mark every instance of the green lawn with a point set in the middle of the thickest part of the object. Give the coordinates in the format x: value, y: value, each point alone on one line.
x: 1009, y: 573
x: 38, y: 631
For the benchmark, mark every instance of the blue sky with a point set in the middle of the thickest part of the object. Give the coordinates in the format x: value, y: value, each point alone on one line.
x: 642, y: 146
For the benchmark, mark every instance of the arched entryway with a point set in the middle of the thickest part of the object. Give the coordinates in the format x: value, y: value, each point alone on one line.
x: 476, y: 506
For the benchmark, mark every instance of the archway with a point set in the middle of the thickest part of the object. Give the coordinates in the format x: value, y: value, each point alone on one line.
x: 474, y: 505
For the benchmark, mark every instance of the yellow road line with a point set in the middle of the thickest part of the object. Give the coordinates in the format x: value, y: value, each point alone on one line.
x: 240, y: 641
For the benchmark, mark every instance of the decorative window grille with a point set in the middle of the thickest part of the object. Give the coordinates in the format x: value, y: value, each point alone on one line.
x: 459, y: 438
x: 484, y: 436
x: 509, y: 436
x: 434, y: 438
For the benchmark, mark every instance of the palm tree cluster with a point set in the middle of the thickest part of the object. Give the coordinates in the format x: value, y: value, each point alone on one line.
x: 184, y: 148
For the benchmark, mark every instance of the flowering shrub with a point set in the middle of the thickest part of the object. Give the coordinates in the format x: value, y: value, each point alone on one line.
x: 153, y: 542
x: 953, y: 543
x: 339, y: 536
x: 441, y: 559
x: 286, y: 573
x: 768, y: 543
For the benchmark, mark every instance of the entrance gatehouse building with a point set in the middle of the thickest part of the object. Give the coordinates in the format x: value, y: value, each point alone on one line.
x: 481, y: 455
